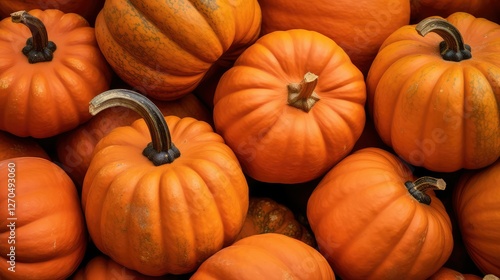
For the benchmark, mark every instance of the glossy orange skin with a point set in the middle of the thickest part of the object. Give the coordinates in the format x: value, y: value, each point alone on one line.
x: 50, y: 232
x: 476, y: 201
x: 13, y: 146
x: 421, y: 9
x: 270, y: 256
x: 164, y: 219
x: 359, y: 27
x: 86, y: 8
x: 439, y: 114
x: 274, y: 141
x: 75, y: 148
x: 368, y: 226
x: 165, y: 48
x: 47, y: 98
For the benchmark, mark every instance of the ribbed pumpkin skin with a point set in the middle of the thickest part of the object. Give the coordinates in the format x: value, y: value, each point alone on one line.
x: 368, y: 226
x: 476, y: 201
x: 276, y: 142
x: 164, y: 219
x: 50, y: 233
x: 438, y: 114
x: 164, y: 48
x: 421, y: 9
x: 48, y: 98
x: 270, y: 256
x: 359, y: 27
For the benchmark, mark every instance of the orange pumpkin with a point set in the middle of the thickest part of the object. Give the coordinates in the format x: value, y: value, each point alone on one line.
x: 163, y: 207
x: 75, y: 148
x: 165, y: 48
x: 46, y: 91
x: 269, y: 256
x: 445, y: 273
x: 421, y: 9
x: 433, y: 111
x: 266, y: 215
x: 359, y: 27
x: 291, y: 106
x: 373, y: 219
x: 476, y: 201
x: 86, y: 8
x: 42, y: 226
x: 13, y: 146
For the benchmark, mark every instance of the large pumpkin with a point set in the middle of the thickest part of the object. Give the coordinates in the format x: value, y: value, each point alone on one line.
x: 421, y: 9
x: 435, y: 102
x: 373, y: 219
x: 163, y: 207
x: 269, y: 256
x: 86, y: 8
x: 291, y: 106
x: 359, y: 27
x: 48, y: 80
x: 74, y: 148
x: 42, y: 224
x: 165, y: 48
x: 476, y: 201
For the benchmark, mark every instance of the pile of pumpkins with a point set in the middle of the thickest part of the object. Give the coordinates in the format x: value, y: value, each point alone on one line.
x: 250, y: 139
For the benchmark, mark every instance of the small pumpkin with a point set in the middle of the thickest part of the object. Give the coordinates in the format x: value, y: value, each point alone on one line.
x: 359, y: 27
x: 269, y: 256
x: 266, y: 215
x: 42, y: 225
x: 48, y: 80
x: 75, y: 148
x: 421, y: 9
x: 165, y: 48
x: 434, y: 97
x: 476, y: 202
x: 373, y: 219
x: 445, y: 273
x: 13, y: 146
x: 291, y: 106
x: 163, y: 207
x: 86, y: 8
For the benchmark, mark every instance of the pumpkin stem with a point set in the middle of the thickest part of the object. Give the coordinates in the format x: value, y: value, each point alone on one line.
x: 301, y: 95
x: 453, y: 47
x: 418, y: 188
x: 161, y: 150
x: 38, y: 47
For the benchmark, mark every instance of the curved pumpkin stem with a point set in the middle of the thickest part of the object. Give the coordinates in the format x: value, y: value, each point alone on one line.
x: 418, y: 188
x: 301, y: 95
x: 38, y: 47
x: 161, y: 150
x: 453, y: 47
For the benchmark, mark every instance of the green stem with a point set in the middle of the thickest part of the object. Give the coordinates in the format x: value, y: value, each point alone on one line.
x: 301, y: 95
x: 38, y: 47
x: 453, y: 47
x: 161, y: 150
x: 418, y: 188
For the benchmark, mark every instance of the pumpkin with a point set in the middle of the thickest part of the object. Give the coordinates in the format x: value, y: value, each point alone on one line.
x: 359, y: 27
x: 75, y: 148
x: 164, y: 48
x: 421, y: 9
x: 266, y: 215
x: 42, y: 225
x: 161, y: 208
x: 291, y: 106
x: 269, y: 256
x: 48, y: 80
x: 13, y: 146
x: 373, y: 219
x: 445, y: 273
x: 87, y: 9
x: 101, y: 267
x: 435, y: 97
x: 476, y: 201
